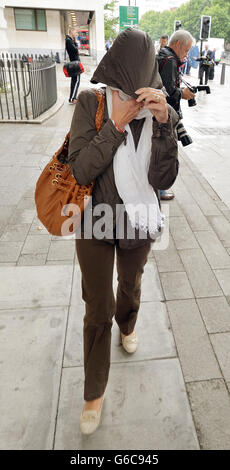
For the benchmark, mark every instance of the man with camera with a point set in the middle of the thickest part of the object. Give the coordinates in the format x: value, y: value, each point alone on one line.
x: 206, y: 63
x: 170, y: 59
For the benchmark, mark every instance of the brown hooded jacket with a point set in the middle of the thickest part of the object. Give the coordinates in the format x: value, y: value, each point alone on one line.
x: 128, y: 65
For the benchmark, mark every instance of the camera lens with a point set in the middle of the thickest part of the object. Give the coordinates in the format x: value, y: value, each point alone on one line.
x: 182, y: 135
x: 192, y: 102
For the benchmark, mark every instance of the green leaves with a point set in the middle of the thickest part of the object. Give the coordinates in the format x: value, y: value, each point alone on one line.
x: 110, y: 20
x: 158, y: 23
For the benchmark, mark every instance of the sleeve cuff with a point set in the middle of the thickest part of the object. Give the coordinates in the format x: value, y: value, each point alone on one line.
x: 162, y: 129
x: 113, y: 133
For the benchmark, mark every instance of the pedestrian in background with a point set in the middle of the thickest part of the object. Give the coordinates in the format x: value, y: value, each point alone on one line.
x: 206, y: 62
x: 163, y: 41
x: 134, y: 154
x: 212, y: 68
x: 107, y: 45
x: 72, y: 50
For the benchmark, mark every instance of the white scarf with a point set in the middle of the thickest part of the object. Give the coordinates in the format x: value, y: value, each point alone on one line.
x: 131, y: 174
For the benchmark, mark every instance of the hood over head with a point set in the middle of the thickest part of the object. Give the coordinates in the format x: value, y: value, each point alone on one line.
x: 129, y: 64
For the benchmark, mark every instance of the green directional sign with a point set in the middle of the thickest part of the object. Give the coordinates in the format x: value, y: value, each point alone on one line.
x: 128, y: 17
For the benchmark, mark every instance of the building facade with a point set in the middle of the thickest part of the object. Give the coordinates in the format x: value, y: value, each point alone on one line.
x: 40, y: 26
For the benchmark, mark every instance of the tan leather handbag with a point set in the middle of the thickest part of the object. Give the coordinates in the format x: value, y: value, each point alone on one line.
x: 58, y: 196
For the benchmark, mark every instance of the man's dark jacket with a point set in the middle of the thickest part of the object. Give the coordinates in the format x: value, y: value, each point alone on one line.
x: 169, y: 64
x: 208, y: 58
x: 71, y: 48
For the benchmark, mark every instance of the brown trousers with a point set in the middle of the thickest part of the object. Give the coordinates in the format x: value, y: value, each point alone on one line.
x: 96, y: 259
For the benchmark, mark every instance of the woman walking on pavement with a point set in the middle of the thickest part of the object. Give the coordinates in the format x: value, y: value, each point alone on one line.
x: 133, y: 155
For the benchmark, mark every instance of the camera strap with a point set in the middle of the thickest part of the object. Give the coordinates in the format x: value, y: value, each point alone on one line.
x: 164, y: 62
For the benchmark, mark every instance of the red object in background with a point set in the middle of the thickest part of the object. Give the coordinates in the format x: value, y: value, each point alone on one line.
x: 83, y: 38
x: 30, y: 59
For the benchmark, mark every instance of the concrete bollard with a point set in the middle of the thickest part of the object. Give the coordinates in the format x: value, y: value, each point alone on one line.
x: 222, y: 78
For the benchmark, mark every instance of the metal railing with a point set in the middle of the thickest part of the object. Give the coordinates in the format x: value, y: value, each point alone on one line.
x: 28, y: 86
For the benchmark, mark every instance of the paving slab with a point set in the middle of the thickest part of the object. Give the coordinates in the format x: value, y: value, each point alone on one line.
x: 15, y: 233
x: 221, y: 346
x: 36, y: 245
x: 10, y: 251
x: 200, y: 274
x: 38, y: 259
x: 76, y: 294
x: 26, y: 203
x: 213, y: 249
x: 6, y: 214
x: 182, y: 233
x: 195, y: 217
x: 22, y: 216
x: 196, y: 354
x: 215, y: 312
x: 173, y: 206
x: 176, y: 285
x: 152, y: 326
x: 161, y: 418
x: 58, y: 262
x: 200, y: 195
x: 222, y: 228
x: 35, y: 286
x: 223, y: 277
x: 8, y: 198
x: 181, y: 192
x: 168, y: 261
x: 227, y: 215
x: 61, y: 250
x: 30, y: 368
x: 8, y: 264
x: 210, y: 404
x: 151, y: 286
x: 37, y: 228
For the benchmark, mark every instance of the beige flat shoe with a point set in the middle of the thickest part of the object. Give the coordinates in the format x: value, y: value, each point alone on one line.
x: 129, y: 342
x: 90, y: 419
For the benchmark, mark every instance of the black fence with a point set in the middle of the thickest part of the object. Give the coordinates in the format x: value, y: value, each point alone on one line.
x: 28, y: 86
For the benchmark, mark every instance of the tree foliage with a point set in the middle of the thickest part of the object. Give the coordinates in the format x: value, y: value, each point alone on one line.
x: 110, y: 20
x: 158, y: 23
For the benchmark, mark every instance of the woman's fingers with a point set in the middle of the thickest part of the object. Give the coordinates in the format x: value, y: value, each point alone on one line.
x: 148, y: 90
x: 150, y: 94
x: 156, y: 98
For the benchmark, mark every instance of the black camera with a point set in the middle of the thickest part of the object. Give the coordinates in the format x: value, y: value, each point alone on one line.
x: 195, y: 89
x: 182, y: 134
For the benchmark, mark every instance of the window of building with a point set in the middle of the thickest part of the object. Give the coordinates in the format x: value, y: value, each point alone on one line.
x: 28, y: 19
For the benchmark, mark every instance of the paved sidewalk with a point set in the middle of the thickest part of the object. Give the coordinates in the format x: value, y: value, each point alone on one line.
x: 173, y: 393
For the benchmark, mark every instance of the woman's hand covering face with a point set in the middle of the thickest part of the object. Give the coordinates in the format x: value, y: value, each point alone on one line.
x: 124, y: 111
x: 155, y: 101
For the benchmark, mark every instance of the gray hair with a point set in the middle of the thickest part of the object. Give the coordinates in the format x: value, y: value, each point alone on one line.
x: 182, y: 36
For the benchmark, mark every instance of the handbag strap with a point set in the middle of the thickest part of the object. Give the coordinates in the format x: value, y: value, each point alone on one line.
x: 62, y: 153
x: 100, y: 108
